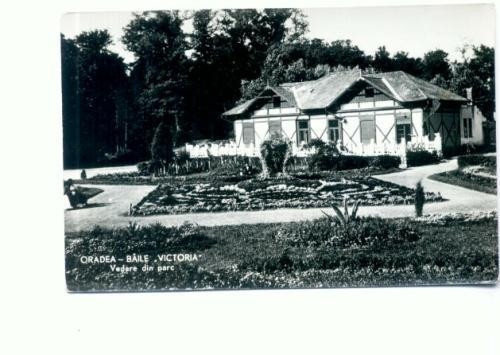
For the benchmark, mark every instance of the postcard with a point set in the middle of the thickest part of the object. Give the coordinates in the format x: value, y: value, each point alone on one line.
x: 279, y: 148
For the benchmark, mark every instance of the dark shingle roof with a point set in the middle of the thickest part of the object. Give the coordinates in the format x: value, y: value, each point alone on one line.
x: 407, y: 88
x: 286, y: 93
x: 322, y: 93
x: 241, y: 108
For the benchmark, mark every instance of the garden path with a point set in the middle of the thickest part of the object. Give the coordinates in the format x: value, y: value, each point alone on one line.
x: 110, y: 208
x: 75, y: 173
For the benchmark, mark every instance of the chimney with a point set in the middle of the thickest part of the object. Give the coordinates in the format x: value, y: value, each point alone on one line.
x: 469, y: 93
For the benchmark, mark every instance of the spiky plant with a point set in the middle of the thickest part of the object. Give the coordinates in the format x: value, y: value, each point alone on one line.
x: 344, y: 218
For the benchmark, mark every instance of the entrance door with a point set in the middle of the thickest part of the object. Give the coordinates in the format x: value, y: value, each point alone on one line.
x: 403, y: 130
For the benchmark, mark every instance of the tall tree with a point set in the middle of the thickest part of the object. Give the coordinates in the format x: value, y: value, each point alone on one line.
x: 436, y: 63
x: 402, y: 61
x: 382, y: 61
x: 231, y: 46
x: 162, y: 147
x: 478, y: 73
x: 70, y: 104
x: 159, y: 72
x: 93, y: 80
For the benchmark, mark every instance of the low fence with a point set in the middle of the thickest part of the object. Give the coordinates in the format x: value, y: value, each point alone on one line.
x: 230, y: 148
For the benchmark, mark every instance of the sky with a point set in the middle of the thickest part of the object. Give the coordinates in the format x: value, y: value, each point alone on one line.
x: 413, y: 29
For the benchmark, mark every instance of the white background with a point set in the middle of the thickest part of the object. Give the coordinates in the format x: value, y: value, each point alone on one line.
x: 38, y: 316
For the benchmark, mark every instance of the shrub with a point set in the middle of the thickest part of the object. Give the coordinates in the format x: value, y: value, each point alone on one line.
x: 235, y: 166
x: 468, y: 160
x: 347, y: 162
x: 162, y: 147
x: 145, y: 168
x: 325, y: 157
x: 419, y: 199
x: 420, y: 157
x: 275, y: 153
x: 385, y: 162
x: 373, y: 232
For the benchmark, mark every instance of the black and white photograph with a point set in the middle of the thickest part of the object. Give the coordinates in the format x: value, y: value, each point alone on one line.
x: 279, y: 148
x: 266, y: 177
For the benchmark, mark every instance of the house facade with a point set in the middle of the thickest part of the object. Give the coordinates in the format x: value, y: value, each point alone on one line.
x: 365, y: 114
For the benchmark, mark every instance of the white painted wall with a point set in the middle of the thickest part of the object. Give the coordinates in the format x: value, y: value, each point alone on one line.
x: 386, y: 131
x: 350, y: 128
x: 289, y: 126
x: 318, y: 126
x: 477, y: 125
x: 417, y: 116
x: 261, y: 128
x: 238, y: 131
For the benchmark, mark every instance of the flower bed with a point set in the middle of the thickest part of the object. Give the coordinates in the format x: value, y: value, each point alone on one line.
x: 374, y: 252
x: 262, y: 194
x: 469, y: 180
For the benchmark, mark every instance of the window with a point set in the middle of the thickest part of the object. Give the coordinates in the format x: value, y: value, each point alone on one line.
x: 369, y: 92
x: 367, y: 129
x: 274, y: 128
x: 333, y: 131
x: 248, y: 133
x: 276, y: 102
x: 468, y: 127
x: 303, y: 132
x: 403, y: 130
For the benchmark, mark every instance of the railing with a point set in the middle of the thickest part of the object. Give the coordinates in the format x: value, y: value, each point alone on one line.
x: 230, y: 148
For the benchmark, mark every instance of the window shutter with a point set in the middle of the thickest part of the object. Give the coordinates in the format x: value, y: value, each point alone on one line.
x: 274, y: 127
x: 248, y: 133
x: 367, y: 128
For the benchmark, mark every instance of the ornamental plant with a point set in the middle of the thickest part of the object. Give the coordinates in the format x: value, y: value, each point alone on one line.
x: 275, y: 153
x: 419, y: 199
x: 344, y: 218
x: 325, y: 156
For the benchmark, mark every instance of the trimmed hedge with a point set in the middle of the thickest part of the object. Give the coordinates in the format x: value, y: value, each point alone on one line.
x: 385, y: 162
x: 421, y: 157
x: 469, y: 160
x: 348, y: 162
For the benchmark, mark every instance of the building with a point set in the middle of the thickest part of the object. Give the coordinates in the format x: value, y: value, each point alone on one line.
x: 364, y: 113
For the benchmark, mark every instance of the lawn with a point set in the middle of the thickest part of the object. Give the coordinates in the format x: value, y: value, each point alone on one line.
x: 469, y: 181
x: 367, y: 252
x: 308, y: 191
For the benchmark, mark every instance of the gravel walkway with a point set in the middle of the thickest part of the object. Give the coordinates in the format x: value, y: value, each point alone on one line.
x: 110, y: 208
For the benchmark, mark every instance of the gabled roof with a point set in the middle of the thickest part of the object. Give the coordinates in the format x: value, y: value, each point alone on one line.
x: 322, y: 93
x: 285, y: 92
x: 408, y: 88
x: 241, y: 108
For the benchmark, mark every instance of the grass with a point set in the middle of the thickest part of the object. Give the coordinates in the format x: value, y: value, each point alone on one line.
x: 469, y: 181
x: 264, y: 255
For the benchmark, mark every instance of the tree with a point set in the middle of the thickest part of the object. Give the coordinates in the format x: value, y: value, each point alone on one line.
x: 382, y: 61
x: 478, y: 73
x: 436, y: 63
x: 159, y: 72
x: 230, y: 46
x: 93, y: 79
x: 161, y: 147
x: 70, y: 104
x: 402, y: 61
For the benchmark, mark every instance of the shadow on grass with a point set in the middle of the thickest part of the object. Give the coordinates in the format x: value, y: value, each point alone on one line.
x: 89, y: 205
